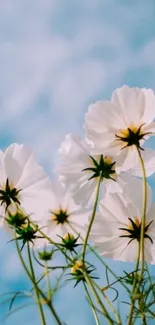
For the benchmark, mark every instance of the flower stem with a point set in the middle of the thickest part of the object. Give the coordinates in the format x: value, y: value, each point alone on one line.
x: 92, y: 217
x: 104, y: 311
x: 91, y: 304
x: 35, y: 286
x: 151, y: 313
x: 108, y: 268
x: 108, y: 303
x: 142, y: 232
x: 134, y: 289
x: 141, y: 244
x: 51, y: 241
x: 49, y: 304
x: 143, y: 317
x: 48, y: 281
x: 118, y: 279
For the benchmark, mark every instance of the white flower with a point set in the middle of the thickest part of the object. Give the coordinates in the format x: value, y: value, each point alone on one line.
x: 63, y: 216
x: 119, y: 125
x: 79, y: 171
x: 116, y: 229
x: 22, y: 181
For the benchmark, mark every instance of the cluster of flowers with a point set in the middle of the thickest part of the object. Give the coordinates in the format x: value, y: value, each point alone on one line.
x: 115, y: 131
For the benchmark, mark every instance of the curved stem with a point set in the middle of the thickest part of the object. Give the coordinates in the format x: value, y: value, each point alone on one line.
x: 104, y: 311
x: 108, y: 303
x: 118, y: 279
x: 108, y: 268
x: 92, y: 305
x: 49, y: 304
x: 35, y: 286
x: 51, y: 241
x: 92, y: 217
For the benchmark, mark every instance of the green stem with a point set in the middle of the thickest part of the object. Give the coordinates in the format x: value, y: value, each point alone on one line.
x: 104, y: 311
x: 49, y: 304
x: 92, y: 217
x: 151, y: 283
x: 143, y: 317
x: 108, y: 268
x: 92, y: 305
x: 151, y: 313
x: 108, y: 303
x: 48, y: 281
x: 118, y: 279
x: 134, y: 289
x: 35, y: 286
x: 142, y: 232
x: 51, y: 241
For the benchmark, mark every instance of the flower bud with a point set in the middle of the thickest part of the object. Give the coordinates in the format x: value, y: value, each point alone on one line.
x: 46, y: 255
x: 77, y: 267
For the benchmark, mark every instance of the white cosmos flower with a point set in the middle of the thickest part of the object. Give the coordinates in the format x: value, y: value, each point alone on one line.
x: 79, y: 172
x: 117, y: 126
x: 62, y: 215
x: 116, y: 229
x: 22, y: 181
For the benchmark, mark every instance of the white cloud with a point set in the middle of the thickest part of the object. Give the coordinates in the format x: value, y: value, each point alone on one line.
x: 72, y: 52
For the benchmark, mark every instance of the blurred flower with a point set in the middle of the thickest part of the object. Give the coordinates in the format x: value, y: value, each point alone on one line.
x: 46, y: 255
x: 79, y: 171
x: 125, y: 123
x: 15, y: 218
x: 22, y: 182
x: 62, y: 214
x: 116, y: 229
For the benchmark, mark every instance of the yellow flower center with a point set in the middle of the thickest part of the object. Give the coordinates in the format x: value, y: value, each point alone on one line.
x: 60, y: 216
x: 130, y: 136
x: 133, y: 230
x: 124, y: 133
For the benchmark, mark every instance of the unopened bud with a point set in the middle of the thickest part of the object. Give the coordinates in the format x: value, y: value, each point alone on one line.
x: 78, y: 266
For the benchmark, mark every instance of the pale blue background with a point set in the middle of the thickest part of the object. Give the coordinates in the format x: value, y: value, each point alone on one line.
x: 57, y: 57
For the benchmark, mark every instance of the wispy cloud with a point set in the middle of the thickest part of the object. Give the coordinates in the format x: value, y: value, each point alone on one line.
x: 58, y: 57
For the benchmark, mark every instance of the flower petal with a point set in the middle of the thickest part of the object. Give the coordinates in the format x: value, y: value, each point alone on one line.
x: 148, y: 156
x: 132, y: 103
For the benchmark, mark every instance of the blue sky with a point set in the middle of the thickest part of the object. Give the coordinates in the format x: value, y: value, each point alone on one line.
x: 57, y: 57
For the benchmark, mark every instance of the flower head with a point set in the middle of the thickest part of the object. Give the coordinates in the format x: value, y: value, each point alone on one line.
x: 116, y: 229
x: 122, y: 124
x: 79, y: 171
x: 62, y: 215
x: 22, y: 181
